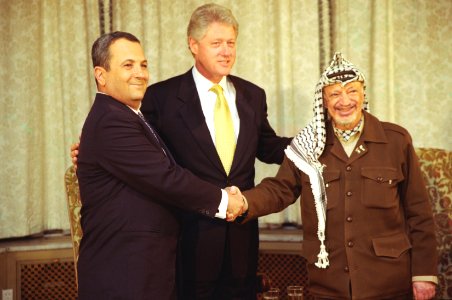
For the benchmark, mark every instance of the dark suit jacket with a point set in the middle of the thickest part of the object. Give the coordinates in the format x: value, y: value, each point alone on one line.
x: 173, y: 106
x: 130, y: 192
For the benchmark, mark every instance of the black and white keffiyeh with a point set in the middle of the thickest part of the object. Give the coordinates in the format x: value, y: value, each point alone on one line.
x: 308, y: 145
x: 347, y: 134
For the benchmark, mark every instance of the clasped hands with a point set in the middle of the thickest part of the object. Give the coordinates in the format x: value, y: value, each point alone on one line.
x: 237, y: 204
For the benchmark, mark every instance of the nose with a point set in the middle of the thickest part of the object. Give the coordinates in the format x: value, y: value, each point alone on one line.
x: 225, y: 50
x: 345, y: 99
x: 140, y: 72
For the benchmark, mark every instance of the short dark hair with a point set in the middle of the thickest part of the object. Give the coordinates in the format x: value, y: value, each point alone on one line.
x: 100, y: 52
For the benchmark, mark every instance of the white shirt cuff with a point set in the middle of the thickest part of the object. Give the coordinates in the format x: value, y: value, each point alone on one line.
x: 221, y: 214
x: 431, y: 278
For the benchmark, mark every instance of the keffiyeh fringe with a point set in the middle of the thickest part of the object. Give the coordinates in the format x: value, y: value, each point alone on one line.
x: 314, y: 170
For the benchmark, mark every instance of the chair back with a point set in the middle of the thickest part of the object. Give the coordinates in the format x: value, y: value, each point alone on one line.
x: 436, y: 166
x: 74, y: 206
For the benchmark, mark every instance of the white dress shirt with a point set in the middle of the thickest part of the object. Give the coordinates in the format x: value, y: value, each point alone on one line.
x: 208, y: 99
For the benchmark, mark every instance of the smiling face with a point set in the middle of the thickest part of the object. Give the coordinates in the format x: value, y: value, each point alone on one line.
x: 215, y: 52
x: 128, y: 76
x: 344, y: 103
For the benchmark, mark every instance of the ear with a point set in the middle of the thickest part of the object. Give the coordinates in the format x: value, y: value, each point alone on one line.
x: 324, y: 100
x: 193, y: 45
x: 99, y: 74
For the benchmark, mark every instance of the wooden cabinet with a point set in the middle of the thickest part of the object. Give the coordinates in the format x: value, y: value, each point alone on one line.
x: 280, y: 259
x: 43, y: 268
x: 38, y: 268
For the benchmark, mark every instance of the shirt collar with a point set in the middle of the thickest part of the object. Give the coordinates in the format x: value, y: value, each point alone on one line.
x: 133, y: 109
x: 205, y: 84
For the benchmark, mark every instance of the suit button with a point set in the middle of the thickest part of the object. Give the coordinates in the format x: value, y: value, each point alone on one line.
x: 350, y: 244
x: 349, y: 194
x: 349, y: 219
x: 349, y: 168
x: 346, y: 269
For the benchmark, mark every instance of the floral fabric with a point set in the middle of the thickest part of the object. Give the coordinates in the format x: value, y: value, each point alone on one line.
x: 436, y: 166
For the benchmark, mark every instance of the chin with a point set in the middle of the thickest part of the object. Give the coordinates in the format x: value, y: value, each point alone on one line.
x: 347, y: 123
x: 224, y: 71
x: 138, y: 96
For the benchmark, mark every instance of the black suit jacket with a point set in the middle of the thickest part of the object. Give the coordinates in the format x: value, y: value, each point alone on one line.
x: 173, y: 106
x: 130, y: 192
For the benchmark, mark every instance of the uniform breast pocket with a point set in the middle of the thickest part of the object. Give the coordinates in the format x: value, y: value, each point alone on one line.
x: 379, y: 187
x: 332, y: 187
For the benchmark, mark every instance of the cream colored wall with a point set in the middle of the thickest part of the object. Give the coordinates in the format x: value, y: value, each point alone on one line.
x: 404, y: 48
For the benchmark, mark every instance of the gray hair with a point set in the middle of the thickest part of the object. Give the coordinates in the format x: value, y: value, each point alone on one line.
x: 100, y: 52
x: 207, y: 14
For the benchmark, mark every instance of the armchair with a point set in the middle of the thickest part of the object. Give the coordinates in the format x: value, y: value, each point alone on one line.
x: 436, y: 166
x: 74, y: 206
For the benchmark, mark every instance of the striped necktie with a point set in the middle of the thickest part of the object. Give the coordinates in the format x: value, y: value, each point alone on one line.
x: 152, y: 130
x: 224, y: 129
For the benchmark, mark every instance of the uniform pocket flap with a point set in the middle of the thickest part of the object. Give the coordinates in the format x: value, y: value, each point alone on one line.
x: 329, y: 176
x: 381, y: 174
x: 391, y: 246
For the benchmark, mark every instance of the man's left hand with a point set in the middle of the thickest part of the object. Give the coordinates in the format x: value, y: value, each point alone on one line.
x: 423, y: 290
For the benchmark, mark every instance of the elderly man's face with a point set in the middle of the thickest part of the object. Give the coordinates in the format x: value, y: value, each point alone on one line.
x: 344, y: 104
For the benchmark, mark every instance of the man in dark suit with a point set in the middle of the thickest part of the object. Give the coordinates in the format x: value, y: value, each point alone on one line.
x: 218, y: 259
x: 131, y: 187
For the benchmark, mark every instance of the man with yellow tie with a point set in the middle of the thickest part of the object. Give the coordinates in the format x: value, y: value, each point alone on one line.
x: 215, y: 125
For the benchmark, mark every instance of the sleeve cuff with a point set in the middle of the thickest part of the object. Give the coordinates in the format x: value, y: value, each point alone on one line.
x: 430, y: 278
x: 221, y: 214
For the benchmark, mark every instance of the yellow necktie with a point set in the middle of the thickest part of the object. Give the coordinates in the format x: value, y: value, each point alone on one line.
x: 224, y: 129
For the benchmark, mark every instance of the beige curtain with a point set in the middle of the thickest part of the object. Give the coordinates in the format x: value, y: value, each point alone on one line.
x: 404, y: 48
x: 47, y: 86
x: 46, y: 90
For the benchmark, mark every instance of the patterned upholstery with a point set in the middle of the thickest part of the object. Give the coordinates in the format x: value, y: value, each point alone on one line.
x: 74, y: 206
x: 436, y: 165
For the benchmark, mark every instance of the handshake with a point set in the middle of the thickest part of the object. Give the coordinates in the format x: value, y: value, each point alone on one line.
x: 237, y: 204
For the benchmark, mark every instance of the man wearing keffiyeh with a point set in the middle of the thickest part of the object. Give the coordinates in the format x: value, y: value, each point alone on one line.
x: 368, y: 230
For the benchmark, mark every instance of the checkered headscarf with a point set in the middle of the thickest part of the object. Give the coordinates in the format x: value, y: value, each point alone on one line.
x: 308, y: 145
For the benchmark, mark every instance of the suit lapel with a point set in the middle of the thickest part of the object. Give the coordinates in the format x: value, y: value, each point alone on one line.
x: 191, y: 113
x: 153, y: 137
x: 246, y: 115
x: 337, y: 149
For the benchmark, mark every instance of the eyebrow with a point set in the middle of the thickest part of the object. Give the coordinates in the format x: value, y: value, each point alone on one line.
x: 132, y: 60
